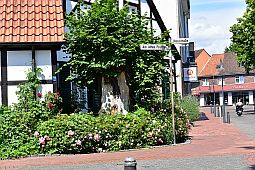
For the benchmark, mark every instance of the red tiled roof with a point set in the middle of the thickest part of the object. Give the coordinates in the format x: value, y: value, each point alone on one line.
x: 210, y: 68
x: 202, y: 58
x: 31, y: 21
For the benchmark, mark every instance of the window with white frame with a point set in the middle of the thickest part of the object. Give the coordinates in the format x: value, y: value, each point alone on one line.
x: 239, y: 79
x: 205, y: 82
x: 220, y: 81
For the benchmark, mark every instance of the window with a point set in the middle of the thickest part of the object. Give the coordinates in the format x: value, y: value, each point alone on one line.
x: 132, y: 6
x: 132, y: 9
x: 239, y: 79
x: 205, y: 82
x: 220, y: 81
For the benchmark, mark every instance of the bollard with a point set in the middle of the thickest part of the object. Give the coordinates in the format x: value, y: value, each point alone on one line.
x: 228, y: 117
x: 218, y: 111
x: 224, y: 110
x: 220, y: 115
x: 224, y: 117
x: 130, y: 164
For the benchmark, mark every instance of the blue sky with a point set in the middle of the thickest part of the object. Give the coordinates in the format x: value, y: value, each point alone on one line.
x: 210, y: 23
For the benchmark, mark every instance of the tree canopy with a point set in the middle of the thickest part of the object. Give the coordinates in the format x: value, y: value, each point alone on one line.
x: 243, y: 38
x: 105, y: 40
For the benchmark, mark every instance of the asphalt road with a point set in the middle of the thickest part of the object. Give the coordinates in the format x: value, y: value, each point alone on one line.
x: 201, y: 163
x: 246, y: 122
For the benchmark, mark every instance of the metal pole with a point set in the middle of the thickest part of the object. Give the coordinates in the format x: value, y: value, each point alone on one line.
x: 222, y: 91
x: 171, y: 89
x: 214, y: 96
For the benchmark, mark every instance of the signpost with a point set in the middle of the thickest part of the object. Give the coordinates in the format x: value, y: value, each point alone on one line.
x: 162, y: 47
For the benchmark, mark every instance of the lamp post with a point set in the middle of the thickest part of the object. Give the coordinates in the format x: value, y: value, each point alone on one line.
x: 214, y: 104
x: 221, y: 68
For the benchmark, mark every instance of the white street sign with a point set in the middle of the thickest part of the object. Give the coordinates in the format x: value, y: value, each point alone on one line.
x: 161, y: 47
x: 180, y: 41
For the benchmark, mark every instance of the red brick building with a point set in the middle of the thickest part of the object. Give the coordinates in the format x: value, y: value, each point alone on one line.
x: 237, y: 83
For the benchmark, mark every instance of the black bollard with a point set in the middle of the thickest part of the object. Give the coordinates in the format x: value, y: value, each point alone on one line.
x: 217, y: 111
x: 228, y: 117
x: 130, y: 164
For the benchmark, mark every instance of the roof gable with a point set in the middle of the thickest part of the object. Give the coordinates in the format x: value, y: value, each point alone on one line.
x: 202, y: 57
x: 210, y: 68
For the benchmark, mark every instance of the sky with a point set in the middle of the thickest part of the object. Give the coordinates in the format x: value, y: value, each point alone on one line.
x: 210, y: 21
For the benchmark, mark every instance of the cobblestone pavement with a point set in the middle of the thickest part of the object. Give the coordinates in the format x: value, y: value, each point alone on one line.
x: 214, y: 145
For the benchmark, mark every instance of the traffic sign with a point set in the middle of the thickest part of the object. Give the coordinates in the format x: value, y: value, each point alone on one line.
x: 180, y: 41
x: 160, y: 47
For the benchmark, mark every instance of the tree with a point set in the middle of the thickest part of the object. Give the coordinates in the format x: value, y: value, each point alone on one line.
x: 243, y: 38
x: 227, y: 49
x: 105, y: 41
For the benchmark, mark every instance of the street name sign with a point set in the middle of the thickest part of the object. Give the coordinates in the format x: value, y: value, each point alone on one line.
x: 160, y: 47
x: 180, y: 41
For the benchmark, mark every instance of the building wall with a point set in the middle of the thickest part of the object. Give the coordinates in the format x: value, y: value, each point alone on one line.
x: 227, y: 80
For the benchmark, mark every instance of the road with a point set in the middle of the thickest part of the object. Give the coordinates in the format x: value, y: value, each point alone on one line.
x: 246, y: 122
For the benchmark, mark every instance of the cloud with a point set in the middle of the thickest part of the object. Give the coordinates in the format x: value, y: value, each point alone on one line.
x: 210, y: 29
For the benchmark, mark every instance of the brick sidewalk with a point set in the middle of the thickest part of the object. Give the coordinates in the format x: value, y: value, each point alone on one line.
x: 209, y: 138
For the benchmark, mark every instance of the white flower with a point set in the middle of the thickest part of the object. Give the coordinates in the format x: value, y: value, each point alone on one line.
x: 78, y: 142
x: 71, y: 133
x: 36, y: 134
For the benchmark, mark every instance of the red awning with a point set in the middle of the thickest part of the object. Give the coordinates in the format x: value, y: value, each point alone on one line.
x: 218, y: 88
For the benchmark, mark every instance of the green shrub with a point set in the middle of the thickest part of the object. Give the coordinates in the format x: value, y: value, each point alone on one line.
x: 84, y: 133
x: 15, y: 136
x: 191, y: 107
x: 34, y: 125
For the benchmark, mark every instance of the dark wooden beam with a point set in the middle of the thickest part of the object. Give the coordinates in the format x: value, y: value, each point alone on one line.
x: 54, y: 69
x: 4, y: 85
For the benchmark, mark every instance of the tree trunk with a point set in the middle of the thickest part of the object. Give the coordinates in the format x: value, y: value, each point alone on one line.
x: 115, y: 95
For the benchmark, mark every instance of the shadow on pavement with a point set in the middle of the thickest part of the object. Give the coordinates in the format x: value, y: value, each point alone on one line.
x: 252, y: 167
x: 249, y: 111
x: 202, y: 116
x: 248, y: 147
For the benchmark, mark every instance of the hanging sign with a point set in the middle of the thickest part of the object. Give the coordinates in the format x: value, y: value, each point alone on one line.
x: 190, y: 74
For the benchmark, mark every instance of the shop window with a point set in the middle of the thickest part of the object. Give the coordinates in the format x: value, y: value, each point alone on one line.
x: 205, y: 82
x: 239, y: 79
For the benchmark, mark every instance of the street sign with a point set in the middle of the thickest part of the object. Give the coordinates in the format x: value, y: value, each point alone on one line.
x: 160, y: 47
x: 180, y: 41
